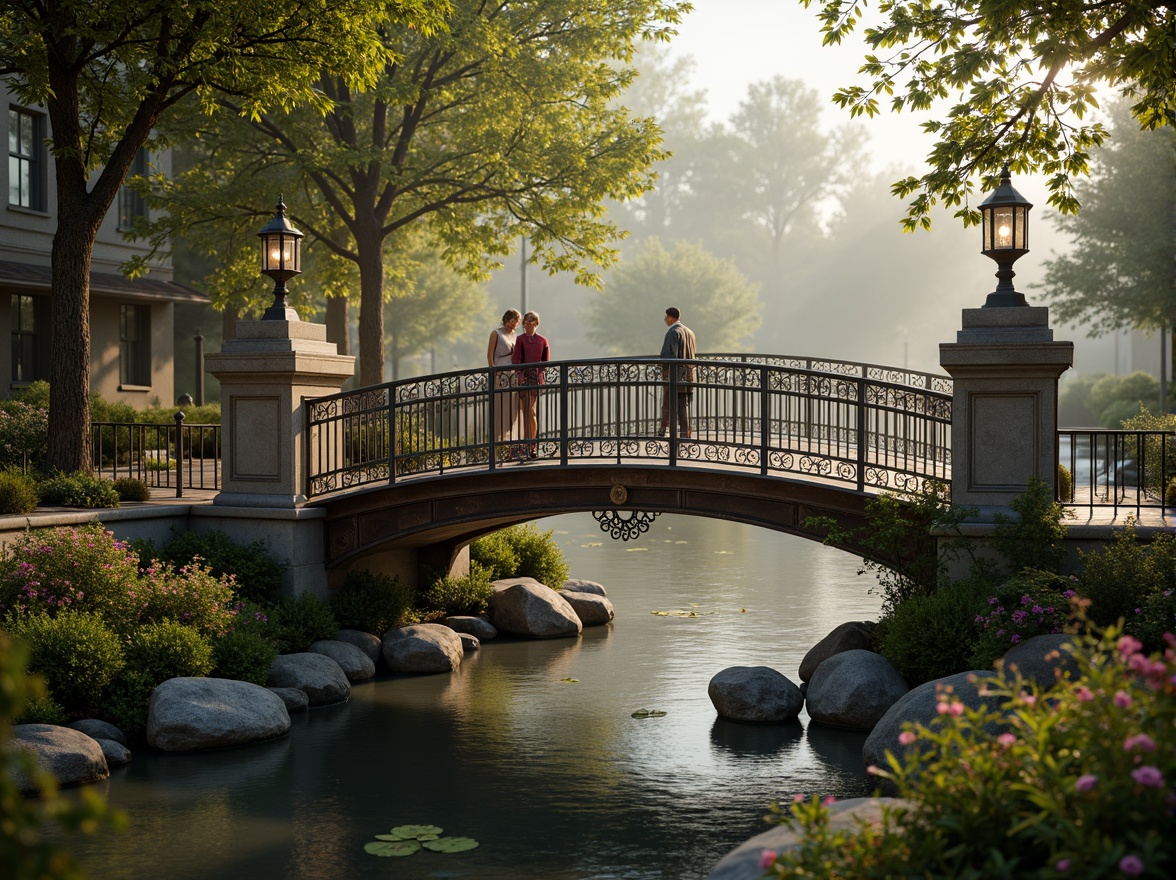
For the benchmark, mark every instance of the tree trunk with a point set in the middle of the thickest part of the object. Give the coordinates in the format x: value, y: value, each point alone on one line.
x: 371, y: 310
x: 338, y: 316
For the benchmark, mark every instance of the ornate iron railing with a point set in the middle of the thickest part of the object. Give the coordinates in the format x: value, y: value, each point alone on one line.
x: 758, y: 415
x: 1117, y: 468
x: 175, y: 456
x: 875, y: 372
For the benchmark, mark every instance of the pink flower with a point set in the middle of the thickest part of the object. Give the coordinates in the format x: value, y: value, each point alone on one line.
x: 1132, y: 866
x: 798, y: 798
x: 1086, y: 782
x: 1140, y: 741
x: 1148, y: 776
x: 829, y: 800
x: 1006, y: 739
x: 1029, y: 699
x: 1129, y: 645
x: 767, y: 859
x: 1063, y: 866
x: 1083, y: 693
x: 1122, y: 699
x: 906, y: 738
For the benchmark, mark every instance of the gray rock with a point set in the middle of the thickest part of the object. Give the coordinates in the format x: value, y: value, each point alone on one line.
x: 98, y: 729
x: 70, y: 755
x: 478, y: 627
x: 294, y: 699
x: 503, y: 583
x: 1042, y: 660
x: 422, y: 649
x: 743, y: 862
x: 320, y: 677
x: 754, y: 693
x: 592, y: 608
x: 469, y: 642
x: 356, y: 665
x: 577, y: 586
x: 851, y: 636
x: 116, y: 753
x: 531, y: 609
x: 854, y: 689
x: 187, y: 714
x: 365, y: 641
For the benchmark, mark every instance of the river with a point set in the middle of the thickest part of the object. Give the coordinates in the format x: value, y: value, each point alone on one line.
x: 531, y: 747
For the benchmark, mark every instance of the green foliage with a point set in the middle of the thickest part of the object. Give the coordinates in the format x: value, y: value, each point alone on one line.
x: 1031, y: 603
x: 44, y: 710
x: 521, y: 551
x: 130, y: 489
x: 1157, y: 452
x: 78, y: 654
x: 18, y: 493
x: 1036, y: 538
x: 1074, y: 406
x: 243, y: 655
x: 25, y: 853
x: 79, y: 489
x: 370, y: 601
x: 1115, y: 398
x: 298, y: 622
x: 457, y: 595
x: 1122, y: 575
x: 257, y: 576
x: 190, y: 595
x: 1065, y: 484
x: 1076, y: 785
x: 932, y: 636
x: 24, y: 434
x: 495, y: 554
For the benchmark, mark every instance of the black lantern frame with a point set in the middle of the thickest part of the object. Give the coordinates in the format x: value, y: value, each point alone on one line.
x: 281, y: 260
x: 1005, y: 216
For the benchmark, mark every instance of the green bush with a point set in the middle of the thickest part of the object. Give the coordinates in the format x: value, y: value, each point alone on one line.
x: 190, y: 595
x: 18, y: 493
x: 929, y: 637
x: 1156, y: 616
x: 79, y: 489
x: 1037, y: 537
x: 1065, y: 484
x: 24, y: 435
x: 1114, y: 398
x: 299, y: 622
x: 521, y: 551
x: 1124, y: 573
x: 78, y: 654
x: 44, y: 710
x: 371, y: 602
x: 34, y: 394
x: 130, y: 489
x: 1074, y: 408
x: 458, y: 595
x: 257, y: 576
x: 496, y: 554
x: 1070, y: 786
x: 1031, y: 603
x: 243, y: 655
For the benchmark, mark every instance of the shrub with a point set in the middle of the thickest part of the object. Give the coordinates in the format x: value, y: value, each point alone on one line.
x: 458, y: 595
x: 191, y: 596
x: 1036, y: 538
x: 1032, y: 603
x: 258, y: 577
x: 496, y: 554
x: 78, y: 654
x: 1070, y: 786
x: 1065, y: 483
x: 1119, y: 577
x: 24, y: 434
x: 44, y: 710
x: 130, y: 489
x: 79, y: 489
x: 299, y: 622
x: 370, y: 601
x: 243, y: 655
x: 1113, y: 398
x: 521, y: 551
x: 18, y: 493
x: 1156, y: 616
x: 929, y: 637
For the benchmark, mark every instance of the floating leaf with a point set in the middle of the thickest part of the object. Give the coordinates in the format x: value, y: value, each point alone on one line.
x: 571, y: 680
x: 742, y: 610
x: 636, y: 549
x: 594, y: 544
x: 649, y: 713
x: 451, y: 844
x: 385, y: 848
x: 416, y: 832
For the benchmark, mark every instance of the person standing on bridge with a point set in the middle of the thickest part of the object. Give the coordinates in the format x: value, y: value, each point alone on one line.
x: 531, y: 348
x: 506, y: 406
x: 678, y: 345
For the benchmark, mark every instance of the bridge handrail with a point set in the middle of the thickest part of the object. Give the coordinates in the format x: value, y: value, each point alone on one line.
x: 1117, y: 467
x: 877, y: 372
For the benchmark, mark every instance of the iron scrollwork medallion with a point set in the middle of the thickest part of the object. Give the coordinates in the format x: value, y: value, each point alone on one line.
x: 621, y: 525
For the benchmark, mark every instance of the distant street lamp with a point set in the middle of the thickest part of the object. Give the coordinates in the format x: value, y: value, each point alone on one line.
x: 1006, y: 239
x: 281, y: 260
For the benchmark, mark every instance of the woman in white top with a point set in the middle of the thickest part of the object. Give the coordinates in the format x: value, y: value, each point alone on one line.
x: 506, y: 405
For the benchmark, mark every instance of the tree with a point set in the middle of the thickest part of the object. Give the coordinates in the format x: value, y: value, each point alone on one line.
x: 717, y: 302
x: 1023, y: 76
x: 107, y: 72
x: 503, y: 124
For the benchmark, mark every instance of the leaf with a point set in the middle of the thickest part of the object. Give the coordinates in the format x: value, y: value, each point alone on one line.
x: 649, y: 713
x: 416, y: 832
x: 451, y: 844
x: 386, y: 848
x: 571, y: 680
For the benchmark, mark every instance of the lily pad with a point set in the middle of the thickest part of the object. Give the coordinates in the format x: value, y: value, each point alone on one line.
x: 571, y: 680
x: 387, y: 848
x: 451, y: 844
x: 416, y: 832
x: 649, y: 713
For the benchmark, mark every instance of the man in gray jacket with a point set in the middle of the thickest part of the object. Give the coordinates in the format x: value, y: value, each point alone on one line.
x: 678, y: 345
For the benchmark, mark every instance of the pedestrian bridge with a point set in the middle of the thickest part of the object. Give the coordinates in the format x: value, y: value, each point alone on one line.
x: 431, y: 462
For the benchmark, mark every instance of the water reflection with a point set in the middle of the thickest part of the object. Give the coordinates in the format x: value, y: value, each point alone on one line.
x: 746, y: 740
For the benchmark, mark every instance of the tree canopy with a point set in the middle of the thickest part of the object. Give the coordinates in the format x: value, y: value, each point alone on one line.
x: 1023, y: 79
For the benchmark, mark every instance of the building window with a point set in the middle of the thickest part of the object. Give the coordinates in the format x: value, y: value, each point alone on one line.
x: 131, y: 205
x: 26, y: 159
x: 134, y: 349
x: 29, y: 320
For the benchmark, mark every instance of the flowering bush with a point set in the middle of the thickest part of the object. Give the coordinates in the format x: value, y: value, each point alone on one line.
x: 1078, y: 783
x: 190, y: 595
x: 1031, y: 604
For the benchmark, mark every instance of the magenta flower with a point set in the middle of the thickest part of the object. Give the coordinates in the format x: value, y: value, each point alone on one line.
x: 1122, y: 699
x: 1006, y: 739
x: 798, y: 798
x: 1129, y: 645
x: 1083, y: 693
x: 1148, y: 776
x: 1086, y: 782
x: 767, y: 859
x: 906, y: 738
x: 1063, y: 866
x: 1132, y: 866
x: 1140, y: 741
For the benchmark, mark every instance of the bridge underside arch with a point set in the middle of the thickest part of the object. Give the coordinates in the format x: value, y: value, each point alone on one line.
x: 433, y: 519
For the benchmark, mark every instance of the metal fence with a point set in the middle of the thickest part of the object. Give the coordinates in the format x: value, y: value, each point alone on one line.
x: 176, y: 456
x: 762, y: 417
x: 1117, y: 468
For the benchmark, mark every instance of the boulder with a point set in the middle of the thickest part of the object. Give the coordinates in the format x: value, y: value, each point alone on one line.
x: 356, y: 665
x: 754, y: 693
x: 577, y: 586
x: 116, y: 753
x: 292, y: 698
x: 365, y: 641
x: 851, y: 636
x: 186, y: 714
x: 531, y: 609
x: 72, y: 757
x: 320, y: 677
x: 503, y: 583
x: 1042, y: 660
x: 469, y: 642
x: 853, y: 689
x: 592, y: 608
x: 424, y: 648
x: 479, y: 627
x: 98, y: 729
x: 743, y: 862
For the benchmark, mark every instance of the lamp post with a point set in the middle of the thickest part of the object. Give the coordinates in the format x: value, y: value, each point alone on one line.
x: 1006, y: 239
x: 281, y: 260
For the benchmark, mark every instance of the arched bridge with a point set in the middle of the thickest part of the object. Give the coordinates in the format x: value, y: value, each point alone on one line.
x: 432, y: 462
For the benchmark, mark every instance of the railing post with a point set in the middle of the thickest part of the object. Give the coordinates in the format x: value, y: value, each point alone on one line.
x: 862, y: 420
x: 492, y: 397
x: 179, y: 417
x: 393, y: 434
x: 765, y: 419
x: 563, y: 413
x: 671, y: 409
